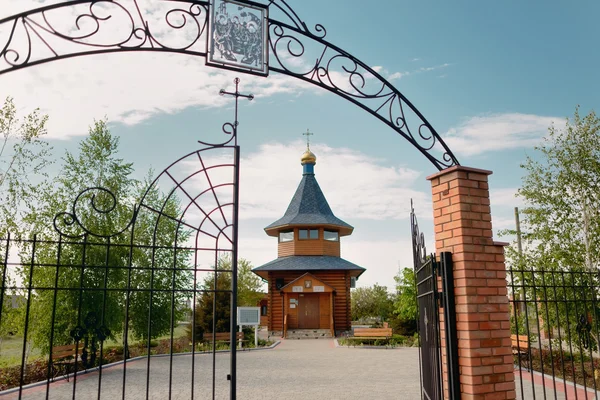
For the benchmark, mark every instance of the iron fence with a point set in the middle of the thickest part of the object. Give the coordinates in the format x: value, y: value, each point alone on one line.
x: 555, y: 332
x: 119, y: 293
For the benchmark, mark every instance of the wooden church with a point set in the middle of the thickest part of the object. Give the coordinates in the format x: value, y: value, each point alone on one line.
x: 309, y: 283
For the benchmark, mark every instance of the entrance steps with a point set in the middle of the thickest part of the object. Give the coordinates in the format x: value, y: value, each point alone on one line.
x: 308, y: 334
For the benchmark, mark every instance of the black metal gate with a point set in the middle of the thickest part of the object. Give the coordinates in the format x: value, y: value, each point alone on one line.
x: 113, y: 291
x: 431, y: 301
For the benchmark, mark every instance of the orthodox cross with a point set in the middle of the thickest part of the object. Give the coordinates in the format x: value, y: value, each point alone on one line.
x: 308, y: 134
x: 237, y: 95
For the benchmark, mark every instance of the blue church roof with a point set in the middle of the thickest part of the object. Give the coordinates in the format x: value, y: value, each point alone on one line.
x: 309, y: 263
x: 309, y: 207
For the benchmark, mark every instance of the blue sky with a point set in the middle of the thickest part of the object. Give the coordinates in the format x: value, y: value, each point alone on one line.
x: 489, y: 76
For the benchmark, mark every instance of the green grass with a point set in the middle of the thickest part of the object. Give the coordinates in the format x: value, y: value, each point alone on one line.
x: 12, y: 347
x: 12, y: 350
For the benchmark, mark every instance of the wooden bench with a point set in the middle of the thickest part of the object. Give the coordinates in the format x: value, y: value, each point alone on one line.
x: 66, y: 357
x: 221, y: 337
x: 372, y: 334
x: 520, y: 346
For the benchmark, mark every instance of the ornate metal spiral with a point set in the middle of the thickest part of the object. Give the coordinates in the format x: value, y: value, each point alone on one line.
x: 294, y: 50
x: 72, y: 224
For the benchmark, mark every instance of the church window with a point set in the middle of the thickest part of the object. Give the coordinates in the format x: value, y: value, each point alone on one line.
x: 287, y: 236
x: 331, y: 236
x: 263, y: 311
x: 308, y: 234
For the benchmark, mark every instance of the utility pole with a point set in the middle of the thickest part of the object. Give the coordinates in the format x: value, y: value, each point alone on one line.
x: 520, y: 251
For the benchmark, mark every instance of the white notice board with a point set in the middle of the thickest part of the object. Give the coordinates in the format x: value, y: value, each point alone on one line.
x: 248, y: 315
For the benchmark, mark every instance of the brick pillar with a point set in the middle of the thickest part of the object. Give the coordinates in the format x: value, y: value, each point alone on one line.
x: 463, y: 226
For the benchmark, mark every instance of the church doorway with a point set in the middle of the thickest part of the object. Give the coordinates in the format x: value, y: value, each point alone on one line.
x: 308, y: 311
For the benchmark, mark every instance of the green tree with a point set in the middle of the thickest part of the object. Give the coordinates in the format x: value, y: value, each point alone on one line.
x: 24, y: 157
x: 371, y: 302
x: 405, y: 303
x: 248, y: 295
x: 213, y: 308
x: 560, y: 224
x: 159, y: 242
x: 249, y: 285
x: 561, y: 190
x: 97, y: 267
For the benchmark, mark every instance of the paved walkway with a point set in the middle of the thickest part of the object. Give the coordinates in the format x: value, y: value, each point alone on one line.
x: 294, y: 370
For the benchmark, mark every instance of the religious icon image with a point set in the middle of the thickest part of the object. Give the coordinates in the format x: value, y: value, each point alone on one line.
x: 308, y: 284
x: 238, y: 35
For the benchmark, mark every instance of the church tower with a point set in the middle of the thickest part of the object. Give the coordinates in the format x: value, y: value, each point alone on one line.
x: 309, y: 283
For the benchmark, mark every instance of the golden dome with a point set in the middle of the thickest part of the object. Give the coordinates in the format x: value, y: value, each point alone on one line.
x: 308, y: 157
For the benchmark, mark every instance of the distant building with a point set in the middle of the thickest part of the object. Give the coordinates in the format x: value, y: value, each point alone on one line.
x: 309, y: 283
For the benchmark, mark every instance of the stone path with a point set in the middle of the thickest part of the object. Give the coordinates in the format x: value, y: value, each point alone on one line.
x: 294, y: 370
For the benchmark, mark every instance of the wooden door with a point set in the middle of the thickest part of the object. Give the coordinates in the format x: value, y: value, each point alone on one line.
x: 308, y: 311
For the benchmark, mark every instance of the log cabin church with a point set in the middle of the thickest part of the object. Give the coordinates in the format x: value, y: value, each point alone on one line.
x: 309, y: 283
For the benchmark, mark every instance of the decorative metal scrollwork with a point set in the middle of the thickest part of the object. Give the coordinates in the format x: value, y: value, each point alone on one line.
x: 418, y: 238
x: 36, y: 37
x: 584, y: 328
x: 101, y: 204
x: 91, y: 333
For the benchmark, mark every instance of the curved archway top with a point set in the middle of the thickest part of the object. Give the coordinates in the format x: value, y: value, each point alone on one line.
x: 89, y: 27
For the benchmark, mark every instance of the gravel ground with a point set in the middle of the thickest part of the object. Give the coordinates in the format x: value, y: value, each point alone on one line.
x: 294, y: 370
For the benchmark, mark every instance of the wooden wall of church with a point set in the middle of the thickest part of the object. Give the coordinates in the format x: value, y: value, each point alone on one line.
x: 317, y: 247
x: 339, y: 280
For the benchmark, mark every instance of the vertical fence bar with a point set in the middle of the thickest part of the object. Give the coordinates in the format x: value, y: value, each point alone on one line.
x: 548, y: 329
x: 193, y: 329
x: 26, y: 330
x: 81, y: 289
x: 450, y: 326
x: 594, y: 283
x: 172, y: 322
x: 4, y: 268
x: 588, y: 345
x: 127, y: 304
x: 539, y: 331
x: 524, y: 288
x: 234, y: 261
x: 150, y: 299
x: 559, y: 330
x: 53, y: 318
x: 564, y: 286
x: 102, y: 319
x: 515, y: 307
x: 579, y: 343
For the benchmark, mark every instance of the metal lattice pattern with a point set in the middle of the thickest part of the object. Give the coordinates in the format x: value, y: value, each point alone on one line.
x: 93, y: 277
x: 103, y: 26
x: 426, y: 278
x: 555, y: 331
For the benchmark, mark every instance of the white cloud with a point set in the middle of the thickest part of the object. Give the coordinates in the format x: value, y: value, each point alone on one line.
x: 381, y: 258
x: 505, y: 197
x: 356, y: 185
x: 427, y: 69
x: 127, y: 88
x: 495, y: 132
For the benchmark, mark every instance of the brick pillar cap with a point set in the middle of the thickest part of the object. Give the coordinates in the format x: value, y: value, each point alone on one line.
x: 458, y: 168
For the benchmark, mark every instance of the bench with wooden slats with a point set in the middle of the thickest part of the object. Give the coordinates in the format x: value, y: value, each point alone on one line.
x: 520, y: 346
x: 371, y: 334
x: 220, y: 337
x: 66, y: 356
x: 223, y: 336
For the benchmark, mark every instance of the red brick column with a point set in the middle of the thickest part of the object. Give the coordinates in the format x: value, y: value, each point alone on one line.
x: 463, y: 226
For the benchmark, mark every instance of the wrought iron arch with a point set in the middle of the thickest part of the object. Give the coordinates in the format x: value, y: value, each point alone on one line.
x: 34, y: 38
